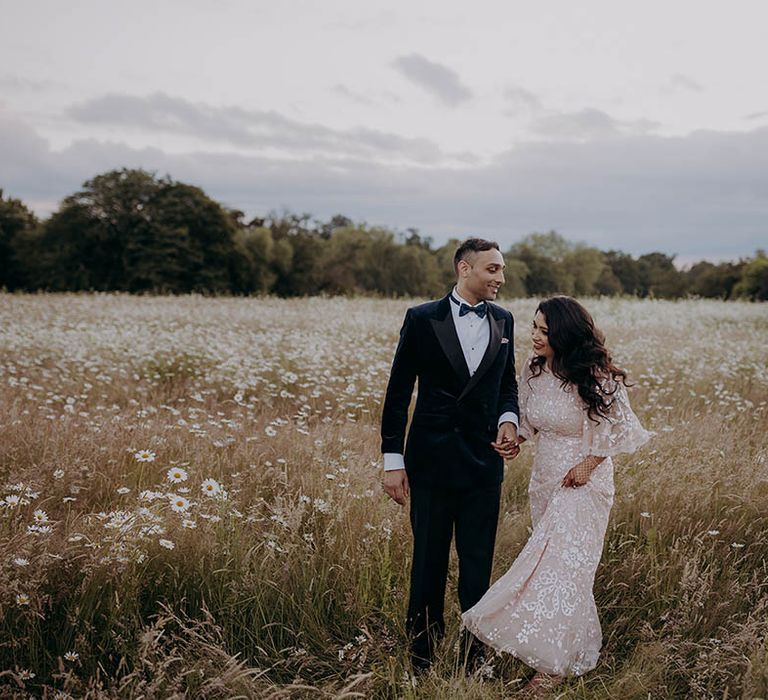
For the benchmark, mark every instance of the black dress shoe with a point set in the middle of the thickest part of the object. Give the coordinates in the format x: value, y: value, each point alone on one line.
x: 420, y: 666
x: 473, y: 653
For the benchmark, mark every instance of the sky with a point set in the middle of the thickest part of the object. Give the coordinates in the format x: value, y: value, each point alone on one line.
x: 631, y: 126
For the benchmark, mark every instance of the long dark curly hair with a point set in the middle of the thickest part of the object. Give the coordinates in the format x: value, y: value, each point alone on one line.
x: 580, y: 355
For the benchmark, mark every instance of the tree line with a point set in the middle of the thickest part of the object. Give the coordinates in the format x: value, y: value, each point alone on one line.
x: 129, y: 230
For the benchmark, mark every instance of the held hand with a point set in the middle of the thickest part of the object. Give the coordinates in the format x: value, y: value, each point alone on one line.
x: 506, y: 441
x: 396, y: 485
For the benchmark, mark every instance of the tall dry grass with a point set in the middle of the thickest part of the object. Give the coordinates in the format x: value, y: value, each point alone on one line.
x: 287, y: 575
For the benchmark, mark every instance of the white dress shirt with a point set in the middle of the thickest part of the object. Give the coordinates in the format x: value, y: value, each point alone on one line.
x: 474, y: 334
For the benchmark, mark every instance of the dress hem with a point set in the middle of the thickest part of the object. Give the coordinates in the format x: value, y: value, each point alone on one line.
x: 539, y: 665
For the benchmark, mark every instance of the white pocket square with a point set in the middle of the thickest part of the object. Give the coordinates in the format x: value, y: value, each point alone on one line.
x: 504, y: 341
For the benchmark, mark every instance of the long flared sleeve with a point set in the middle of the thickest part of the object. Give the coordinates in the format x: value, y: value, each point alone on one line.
x: 526, y: 430
x: 619, y: 431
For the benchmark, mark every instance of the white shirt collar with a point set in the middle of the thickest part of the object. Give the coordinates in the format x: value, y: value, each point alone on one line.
x: 461, y: 299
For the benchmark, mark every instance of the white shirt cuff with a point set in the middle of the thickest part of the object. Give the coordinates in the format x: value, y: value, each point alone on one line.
x: 509, y: 417
x: 393, y: 461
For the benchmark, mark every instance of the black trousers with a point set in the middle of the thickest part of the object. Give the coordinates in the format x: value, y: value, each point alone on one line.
x: 435, y: 516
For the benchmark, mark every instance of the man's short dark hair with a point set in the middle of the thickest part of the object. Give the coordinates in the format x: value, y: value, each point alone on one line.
x: 471, y: 245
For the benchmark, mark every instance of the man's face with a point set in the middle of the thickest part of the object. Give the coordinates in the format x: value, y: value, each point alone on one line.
x: 482, y: 274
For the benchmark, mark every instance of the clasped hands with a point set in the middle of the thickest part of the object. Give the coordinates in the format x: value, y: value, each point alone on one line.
x: 507, y: 443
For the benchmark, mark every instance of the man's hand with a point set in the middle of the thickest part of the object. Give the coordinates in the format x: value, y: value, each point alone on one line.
x: 506, y: 441
x: 396, y: 485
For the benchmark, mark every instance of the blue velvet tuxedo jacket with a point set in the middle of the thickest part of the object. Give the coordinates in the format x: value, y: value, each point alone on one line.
x: 456, y: 416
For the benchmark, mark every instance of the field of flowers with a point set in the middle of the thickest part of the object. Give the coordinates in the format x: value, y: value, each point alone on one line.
x: 190, y: 504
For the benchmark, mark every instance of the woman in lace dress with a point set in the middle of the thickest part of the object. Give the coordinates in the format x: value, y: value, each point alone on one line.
x: 573, y: 402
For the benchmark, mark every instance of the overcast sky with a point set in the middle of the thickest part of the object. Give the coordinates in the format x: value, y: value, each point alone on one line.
x: 635, y: 126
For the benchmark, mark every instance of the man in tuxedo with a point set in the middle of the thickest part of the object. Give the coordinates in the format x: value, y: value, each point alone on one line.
x: 464, y: 425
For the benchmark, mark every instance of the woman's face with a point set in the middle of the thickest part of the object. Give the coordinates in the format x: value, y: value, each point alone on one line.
x: 540, y: 338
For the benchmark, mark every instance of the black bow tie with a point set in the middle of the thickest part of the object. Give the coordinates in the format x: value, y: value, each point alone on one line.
x: 481, y: 309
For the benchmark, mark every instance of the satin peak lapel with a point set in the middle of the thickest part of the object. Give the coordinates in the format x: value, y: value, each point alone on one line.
x: 494, y: 345
x: 449, y: 340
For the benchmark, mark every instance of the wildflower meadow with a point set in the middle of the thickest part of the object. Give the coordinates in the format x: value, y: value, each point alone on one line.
x: 190, y: 503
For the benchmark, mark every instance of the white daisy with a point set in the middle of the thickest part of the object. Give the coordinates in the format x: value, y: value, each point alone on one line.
x: 176, y: 475
x: 39, y: 529
x: 40, y: 516
x: 167, y: 544
x: 123, y: 490
x: 21, y: 561
x: 71, y: 656
x: 22, y: 599
x: 211, y: 487
x: 13, y: 500
x: 178, y: 503
x: 144, y: 456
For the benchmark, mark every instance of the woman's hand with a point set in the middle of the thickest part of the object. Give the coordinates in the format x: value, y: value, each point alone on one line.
x: 579, y: 475
x: 506, y: 441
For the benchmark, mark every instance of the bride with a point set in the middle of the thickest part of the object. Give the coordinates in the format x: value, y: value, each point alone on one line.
x: 574, y: 401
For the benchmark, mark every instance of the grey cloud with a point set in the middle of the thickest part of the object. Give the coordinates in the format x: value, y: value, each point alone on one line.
x: 680, y: 82
x: 757, y: 115
x: 439, y: 80
x: 15, y: 82
x: 699, y: 195
x: 587, y: 124
x: 248, y: 128
x: 521, y: 100
x: 352, y: 95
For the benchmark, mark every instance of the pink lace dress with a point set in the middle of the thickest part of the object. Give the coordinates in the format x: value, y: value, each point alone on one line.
x: 542, y: 610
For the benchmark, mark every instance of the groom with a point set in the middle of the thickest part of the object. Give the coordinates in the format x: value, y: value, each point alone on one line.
x: 464, y: 424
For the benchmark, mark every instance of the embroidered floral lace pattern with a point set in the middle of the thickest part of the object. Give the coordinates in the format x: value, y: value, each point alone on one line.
x: 542, y: 609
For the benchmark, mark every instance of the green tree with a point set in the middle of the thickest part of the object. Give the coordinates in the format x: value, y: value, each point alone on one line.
x: 17, y: 227
x: 446, y: 275
x: 545, y: 258
x: 416, y: 272
x: 514, y: 278
x: 625, y: 269
x: 128, y: 230
x: 754, y: 279
x: 705, y: 279
x: 345, y: 261
x: 203, y: 235
x: 76, y: 252
x: 586, y: 265
x: 113, y: 210
x: 659, y: 277
x: 338, y: 221
x: 608, y: 284
x: 260, y: 251
x: 550, y: 245
x: 298, y: 255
